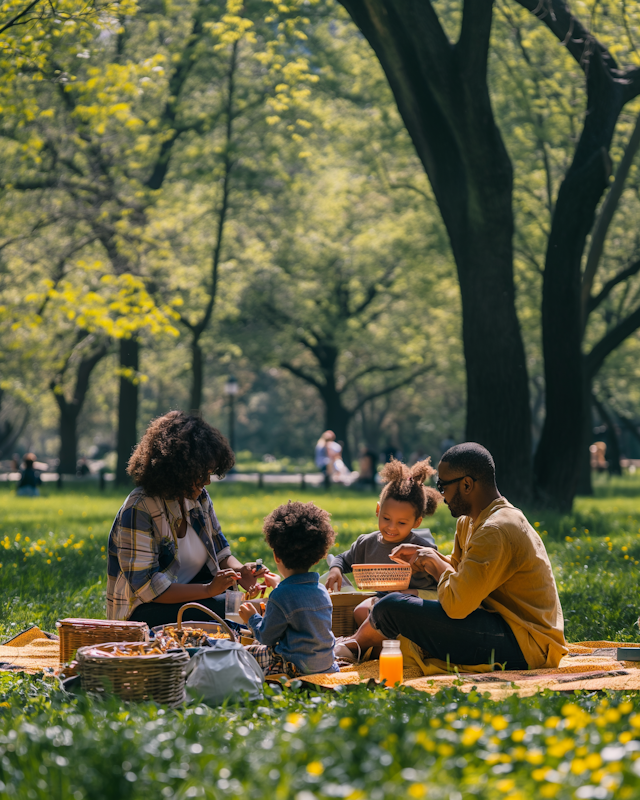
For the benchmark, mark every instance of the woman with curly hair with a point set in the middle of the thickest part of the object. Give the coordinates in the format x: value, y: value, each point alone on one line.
x: 166, y: 547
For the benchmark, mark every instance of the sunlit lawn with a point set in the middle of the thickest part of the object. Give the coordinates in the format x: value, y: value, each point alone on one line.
x: 360, y: 744
x: 52, y: 549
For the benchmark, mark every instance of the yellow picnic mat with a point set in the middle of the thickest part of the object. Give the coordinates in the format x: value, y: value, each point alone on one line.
x: 30, y: 651
x: 588, y: 665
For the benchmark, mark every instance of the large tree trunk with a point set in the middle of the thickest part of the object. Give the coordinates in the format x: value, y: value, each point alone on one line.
x: 70, y: 409
x: 558, y: 457
x: 442, y: 94
x: 68, y: 438
x: 127, y: 407
x: 585, y: 486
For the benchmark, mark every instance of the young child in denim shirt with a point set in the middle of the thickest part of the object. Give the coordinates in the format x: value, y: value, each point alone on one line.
x: 294, y: 634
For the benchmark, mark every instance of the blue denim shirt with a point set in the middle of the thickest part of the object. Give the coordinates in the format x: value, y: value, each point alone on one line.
x: 297, y: 622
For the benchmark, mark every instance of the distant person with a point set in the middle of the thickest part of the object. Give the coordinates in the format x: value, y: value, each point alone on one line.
x: 321, y: 456
x: 338, y: 471
x: 598, y: 456
x: 367, y: 467
x: 447, y: 443
x: 82, y: 469
x: 30, y: 480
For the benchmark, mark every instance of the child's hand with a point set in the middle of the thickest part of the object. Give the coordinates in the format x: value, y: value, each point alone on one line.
x: 334, y: 581
x: 270, y: 578
x: 246, y: 611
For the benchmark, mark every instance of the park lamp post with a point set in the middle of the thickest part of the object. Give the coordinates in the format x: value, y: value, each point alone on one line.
x: 231, y: 390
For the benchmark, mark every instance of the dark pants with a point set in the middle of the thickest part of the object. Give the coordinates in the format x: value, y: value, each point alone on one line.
x: 166, y: 613
x: 481, y: 638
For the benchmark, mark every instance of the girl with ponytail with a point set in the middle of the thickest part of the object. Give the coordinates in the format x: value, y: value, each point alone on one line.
x: 403, y: 502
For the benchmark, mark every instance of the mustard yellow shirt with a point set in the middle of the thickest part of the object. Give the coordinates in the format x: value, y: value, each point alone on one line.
x: 499, y: 563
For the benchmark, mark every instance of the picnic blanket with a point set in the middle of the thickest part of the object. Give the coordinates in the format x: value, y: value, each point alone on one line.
x: 31, y: 651
x: 588, y: 665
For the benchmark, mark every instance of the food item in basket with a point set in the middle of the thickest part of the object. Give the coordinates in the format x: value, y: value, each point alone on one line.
x: 128, y: 649
x: 189, y: 637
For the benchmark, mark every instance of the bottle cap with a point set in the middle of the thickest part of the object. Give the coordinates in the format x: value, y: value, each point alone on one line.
x: 390, y: 644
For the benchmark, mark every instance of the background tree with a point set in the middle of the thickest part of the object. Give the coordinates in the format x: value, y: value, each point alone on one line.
x: 441, y: 90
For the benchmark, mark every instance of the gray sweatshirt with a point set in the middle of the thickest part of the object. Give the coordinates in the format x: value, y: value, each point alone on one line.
x: 371, y: 548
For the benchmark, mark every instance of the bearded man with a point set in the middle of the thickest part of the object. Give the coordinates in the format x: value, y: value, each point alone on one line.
x: 497, y: 597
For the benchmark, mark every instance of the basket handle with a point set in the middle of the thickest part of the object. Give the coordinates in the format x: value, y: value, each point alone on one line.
x: 210, y: 613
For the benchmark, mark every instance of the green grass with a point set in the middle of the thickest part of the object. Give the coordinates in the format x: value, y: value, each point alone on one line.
x: 52, y: 549
x: 362, y: 744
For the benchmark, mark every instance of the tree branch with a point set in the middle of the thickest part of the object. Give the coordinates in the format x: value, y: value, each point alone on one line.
x: 612, y: 339
x: 391, y: 388
x: 568, y: 29
x: 170, y: 112
x: 300, y: 373
x: 628, y: 272
x: 475, y: 35
x: 367, y: 371
x: 201, y: 326
x: 14, y: 20
x: 603, y: 221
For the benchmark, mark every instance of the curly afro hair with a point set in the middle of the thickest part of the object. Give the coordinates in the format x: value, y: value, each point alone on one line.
x: 406, y: 484
x: 177, y: 453
x: 300, y: 534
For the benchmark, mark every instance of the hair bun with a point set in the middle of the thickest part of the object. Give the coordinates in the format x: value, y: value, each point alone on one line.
x: 394, y: 471
x: 432, y: 499
x: 421, y: 471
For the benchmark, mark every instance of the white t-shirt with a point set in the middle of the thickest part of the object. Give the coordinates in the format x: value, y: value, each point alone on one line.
x: 192, y: 555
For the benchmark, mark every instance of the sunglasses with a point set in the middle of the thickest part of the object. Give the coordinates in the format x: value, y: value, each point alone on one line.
x: 440, y: 485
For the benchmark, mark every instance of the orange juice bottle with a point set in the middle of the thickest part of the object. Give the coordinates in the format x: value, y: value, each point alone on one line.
x: 391, y: 662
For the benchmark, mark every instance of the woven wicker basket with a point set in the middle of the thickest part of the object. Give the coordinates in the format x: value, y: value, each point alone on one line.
x: 343, y: 623
x: 159, y: 677
x: 76, y: 633
x: 213, y: 627
x: 382, y: 577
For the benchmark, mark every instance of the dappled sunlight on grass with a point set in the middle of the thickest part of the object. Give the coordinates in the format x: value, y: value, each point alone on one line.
x: 53, y: 549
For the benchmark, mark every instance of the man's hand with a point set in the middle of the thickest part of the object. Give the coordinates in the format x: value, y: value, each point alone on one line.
x: 223, y: 580
x: 404, y: 553
x: 246, y: 611
x: 334, y: 581
x: 422, y: 559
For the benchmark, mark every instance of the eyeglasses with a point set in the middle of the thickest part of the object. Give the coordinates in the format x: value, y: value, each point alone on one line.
x: 440, y: 485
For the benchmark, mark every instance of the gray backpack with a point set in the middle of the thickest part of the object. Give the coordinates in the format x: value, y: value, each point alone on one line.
x: 221, y: 672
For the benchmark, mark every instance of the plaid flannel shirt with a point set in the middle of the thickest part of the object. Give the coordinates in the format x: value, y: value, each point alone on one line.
x: 144, y: 547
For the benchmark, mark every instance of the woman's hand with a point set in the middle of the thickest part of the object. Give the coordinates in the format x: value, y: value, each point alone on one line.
x: 248, y: 575
x: 246, y: 611
x: 334, y: 581
x: 222, y: 581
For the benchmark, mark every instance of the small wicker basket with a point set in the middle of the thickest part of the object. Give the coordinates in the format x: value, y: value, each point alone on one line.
x: 382, y: 577
x: 76, y: 633
x: 344, y: 603
x: 159, y: 677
